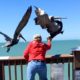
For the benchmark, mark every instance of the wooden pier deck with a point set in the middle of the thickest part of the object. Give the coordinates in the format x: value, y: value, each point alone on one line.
x: 10, y: 61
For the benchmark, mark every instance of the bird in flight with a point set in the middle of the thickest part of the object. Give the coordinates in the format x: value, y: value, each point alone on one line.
x: 50, y: 23
x: 17, y: 35
x: 9, y: 40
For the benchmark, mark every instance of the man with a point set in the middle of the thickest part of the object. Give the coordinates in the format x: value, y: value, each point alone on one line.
x: 35, y: 54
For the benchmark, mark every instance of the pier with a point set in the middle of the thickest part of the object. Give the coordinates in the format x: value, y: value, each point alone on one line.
x: 14, y: 61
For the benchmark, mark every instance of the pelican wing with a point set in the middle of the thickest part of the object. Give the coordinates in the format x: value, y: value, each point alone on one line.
x: 23, y: 22
x: 7, y: 38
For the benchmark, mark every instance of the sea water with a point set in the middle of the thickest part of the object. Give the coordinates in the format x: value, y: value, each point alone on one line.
x: 58, y: 47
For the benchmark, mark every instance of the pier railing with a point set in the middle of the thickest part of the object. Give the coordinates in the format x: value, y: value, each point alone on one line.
x: 13, y: 67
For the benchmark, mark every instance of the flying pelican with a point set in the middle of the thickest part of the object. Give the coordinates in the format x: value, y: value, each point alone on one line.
x: 9, y: 40
x: 21, y: 25
x: 53, y: 26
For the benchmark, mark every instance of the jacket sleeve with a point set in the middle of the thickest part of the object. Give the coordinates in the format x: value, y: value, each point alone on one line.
x: 48, y: 45
x: 26, y: 52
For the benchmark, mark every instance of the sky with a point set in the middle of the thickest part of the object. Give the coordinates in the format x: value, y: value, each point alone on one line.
x: 12, y: 11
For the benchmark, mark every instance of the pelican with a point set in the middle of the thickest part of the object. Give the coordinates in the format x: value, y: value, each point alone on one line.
x: 17, y: 35
x: 53, y: 26
x: 9, y: 40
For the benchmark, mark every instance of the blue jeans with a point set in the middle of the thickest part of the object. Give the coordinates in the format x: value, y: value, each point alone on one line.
x: 34, y: 67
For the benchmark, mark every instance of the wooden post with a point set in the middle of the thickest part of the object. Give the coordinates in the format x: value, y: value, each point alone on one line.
x: 1, y: 71
x: 76, y: 64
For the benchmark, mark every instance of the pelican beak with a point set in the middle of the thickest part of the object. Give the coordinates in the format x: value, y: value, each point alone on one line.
x: 36, y: 7
x: 23, y: 38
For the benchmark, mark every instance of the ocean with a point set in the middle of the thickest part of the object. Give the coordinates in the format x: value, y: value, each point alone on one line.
x: 58, y: 47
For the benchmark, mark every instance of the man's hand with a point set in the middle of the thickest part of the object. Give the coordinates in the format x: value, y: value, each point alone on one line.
x: 49, y: 38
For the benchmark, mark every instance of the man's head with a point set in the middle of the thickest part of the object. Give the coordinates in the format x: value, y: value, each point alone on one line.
x: 37, y: 37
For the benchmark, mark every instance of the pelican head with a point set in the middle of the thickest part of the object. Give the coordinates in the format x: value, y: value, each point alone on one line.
x: 39, y: 11
x: 20, y: 36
